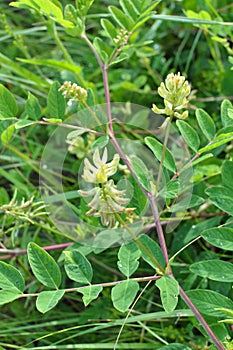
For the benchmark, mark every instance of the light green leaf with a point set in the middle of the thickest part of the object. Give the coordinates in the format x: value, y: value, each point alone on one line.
x: 123, y: 294
x: 90, y: 293
x: 122, y: 19
x: 216, y: 270
x: 208, y: 301
x: 7, y: 296
x: 143, y: 174
x: 53, y: 120
x: 221, y: 237
x: 32, y: 107
x: 128, y: 256
x: 171, y: 189
x: 76, y: 133
x: 48, y: 300
x: 157, y: 149
x: 150, y: 251
x: 169, y: 291
x: 11, y: 279
x: 8, y: 105
x: 109, y: 28
x: 129, y: 9
x: 77, y: 267
x: 189, y: 134
x: 175, y: 346
x: 101, y: 142
x: 7, y: 134
x: 221, y: 197
x: 62, y: 65
x: 56, y: 102
x: 227, y: 172
x: 23, y: 123
x: 44, y: 266
x: 206, y: 123
x: 218, y: 141
x: 226, y: 105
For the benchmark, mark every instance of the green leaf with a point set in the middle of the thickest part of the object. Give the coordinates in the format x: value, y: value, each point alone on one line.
x: 171, y: 189
x: 227, y: 172
x: 221, y: 197
x: 123, y: 294
x: 206, y: 123
x: 8, y: 105
x: 175, y: 346
x: 53, y: 120
x: 23, y: 123
x: 129, y: 9
x: 150, y: 251
x: 109, y: 28
x: 169, y: 291
x: 157, y: 149
x: 189, y: 134
x: 143, y: 174
x: 102, y: 48
x: 77, y: 267
x: 11, y: 279
x: 7, y: 134
x: 32, y: 107
x: 197, y: 229
x: 83, y: 6
x: 122, y: 19
x: 7, y: 296
x: 207, y: 301
x: 216, y: 270
x: 128, y: 256
x: 76, y: 133
x: 61, y: 65
x: 221, y: 237
x: 90, y: 293
x: 44, y: 266
x: 56, y: 102
x: 218, y: 141
x: 48, y: 300
x: 101, y: 142
x: 226, y: 105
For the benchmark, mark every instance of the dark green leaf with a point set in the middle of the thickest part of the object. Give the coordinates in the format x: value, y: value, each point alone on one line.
x: 207, y: 301
x: 56, y: 102
x: 157, y: 149
x: 11, y: 279
x: 227, y: 173
x: 123, y: 294
x: 189, y: 134
x: 143, y: 174
x: 221, y: 197
x: 169, y: 291
x: 225, y: 107
x: 44, y: 266
x: 32, y: 107
x: 175, y: 346
x: 197, y: 229
x: 151, y: 251
x: 221, y: 237
x: 90, y: 293
x: 48, y: 300
x: 216, y: 270
x: 77, y: 267
x: 128, y: 256
x: 8, y: 105
x: 206, y: 123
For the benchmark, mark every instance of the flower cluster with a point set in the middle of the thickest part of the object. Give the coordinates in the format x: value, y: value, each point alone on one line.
x: 106, y: 198
x: 175, y: 92
x: 73, y: 92
x: 121, y: 38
